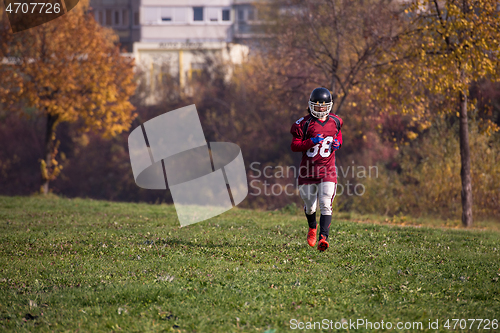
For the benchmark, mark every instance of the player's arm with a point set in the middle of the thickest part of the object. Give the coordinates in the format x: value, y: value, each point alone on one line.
x: 298, y: 145
x: 338, y: 141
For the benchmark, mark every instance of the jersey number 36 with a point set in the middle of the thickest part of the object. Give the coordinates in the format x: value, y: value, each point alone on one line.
x: 324, y: 150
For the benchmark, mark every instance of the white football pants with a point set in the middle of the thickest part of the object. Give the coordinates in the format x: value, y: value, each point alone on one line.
x: 325, y: 192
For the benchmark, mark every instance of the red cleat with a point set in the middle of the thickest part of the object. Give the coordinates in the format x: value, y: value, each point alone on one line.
x: 322, y: 244
x: 311, y: 237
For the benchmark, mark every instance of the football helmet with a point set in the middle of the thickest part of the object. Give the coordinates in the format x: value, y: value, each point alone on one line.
x: 321, y: 99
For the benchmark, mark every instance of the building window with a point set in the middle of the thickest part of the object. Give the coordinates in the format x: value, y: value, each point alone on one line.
x: 226, y: 15
x: 198, y: 13
x: 108, y: 17
x: 99, y: 16
x: 213, y: 14
x: 150, y: 15
x: 125, y: 17
x: 117, y: 17
x: 136, y: 18
x: 166, y: 14
x: 173, y: 14
x: 180, y: 15
x: 241, y: 15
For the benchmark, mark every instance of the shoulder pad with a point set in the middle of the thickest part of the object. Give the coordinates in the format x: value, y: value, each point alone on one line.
x: 299, y: 120
x: 337, y: 121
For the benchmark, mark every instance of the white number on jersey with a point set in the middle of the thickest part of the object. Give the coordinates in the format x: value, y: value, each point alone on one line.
x: 313, y: 151
x: 326, y: 147
x: 325, y: 150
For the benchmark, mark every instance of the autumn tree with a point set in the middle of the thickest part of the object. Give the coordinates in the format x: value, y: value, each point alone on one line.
x: 447, y: 47
x: 67, y: 70
x: 330, y: 43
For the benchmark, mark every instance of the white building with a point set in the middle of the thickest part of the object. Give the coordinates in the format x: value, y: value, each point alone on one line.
x: 173, y: 37
x: 182, y: 32
x: 186, y: 21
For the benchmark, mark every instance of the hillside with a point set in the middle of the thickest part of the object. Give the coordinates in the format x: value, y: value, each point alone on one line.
x: 81, y: 264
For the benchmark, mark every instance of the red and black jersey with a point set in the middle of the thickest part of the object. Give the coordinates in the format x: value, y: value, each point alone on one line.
x: 318, y: 160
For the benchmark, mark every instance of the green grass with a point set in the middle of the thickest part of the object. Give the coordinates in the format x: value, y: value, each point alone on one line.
x: 96, y: 266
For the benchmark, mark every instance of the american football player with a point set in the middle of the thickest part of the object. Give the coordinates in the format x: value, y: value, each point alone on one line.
x: 317, y: 136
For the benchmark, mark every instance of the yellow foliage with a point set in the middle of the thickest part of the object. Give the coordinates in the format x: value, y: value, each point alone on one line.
x: 445, y: 48
x: 411, y: 135
x: 428, y: 182
x: 71, y: 69
x: 67, y: 70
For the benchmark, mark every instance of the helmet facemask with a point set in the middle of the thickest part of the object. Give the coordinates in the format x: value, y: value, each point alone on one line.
x: 320, y: 114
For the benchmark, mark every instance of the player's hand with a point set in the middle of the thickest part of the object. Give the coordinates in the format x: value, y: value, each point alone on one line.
x: 317, y: 139
x: 335, y: 145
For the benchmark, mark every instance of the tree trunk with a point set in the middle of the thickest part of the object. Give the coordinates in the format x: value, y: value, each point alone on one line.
x: 465, y: 160
x: 46, y: 165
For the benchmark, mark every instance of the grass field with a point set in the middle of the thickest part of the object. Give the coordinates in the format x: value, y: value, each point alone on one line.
x: 96, y: 266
